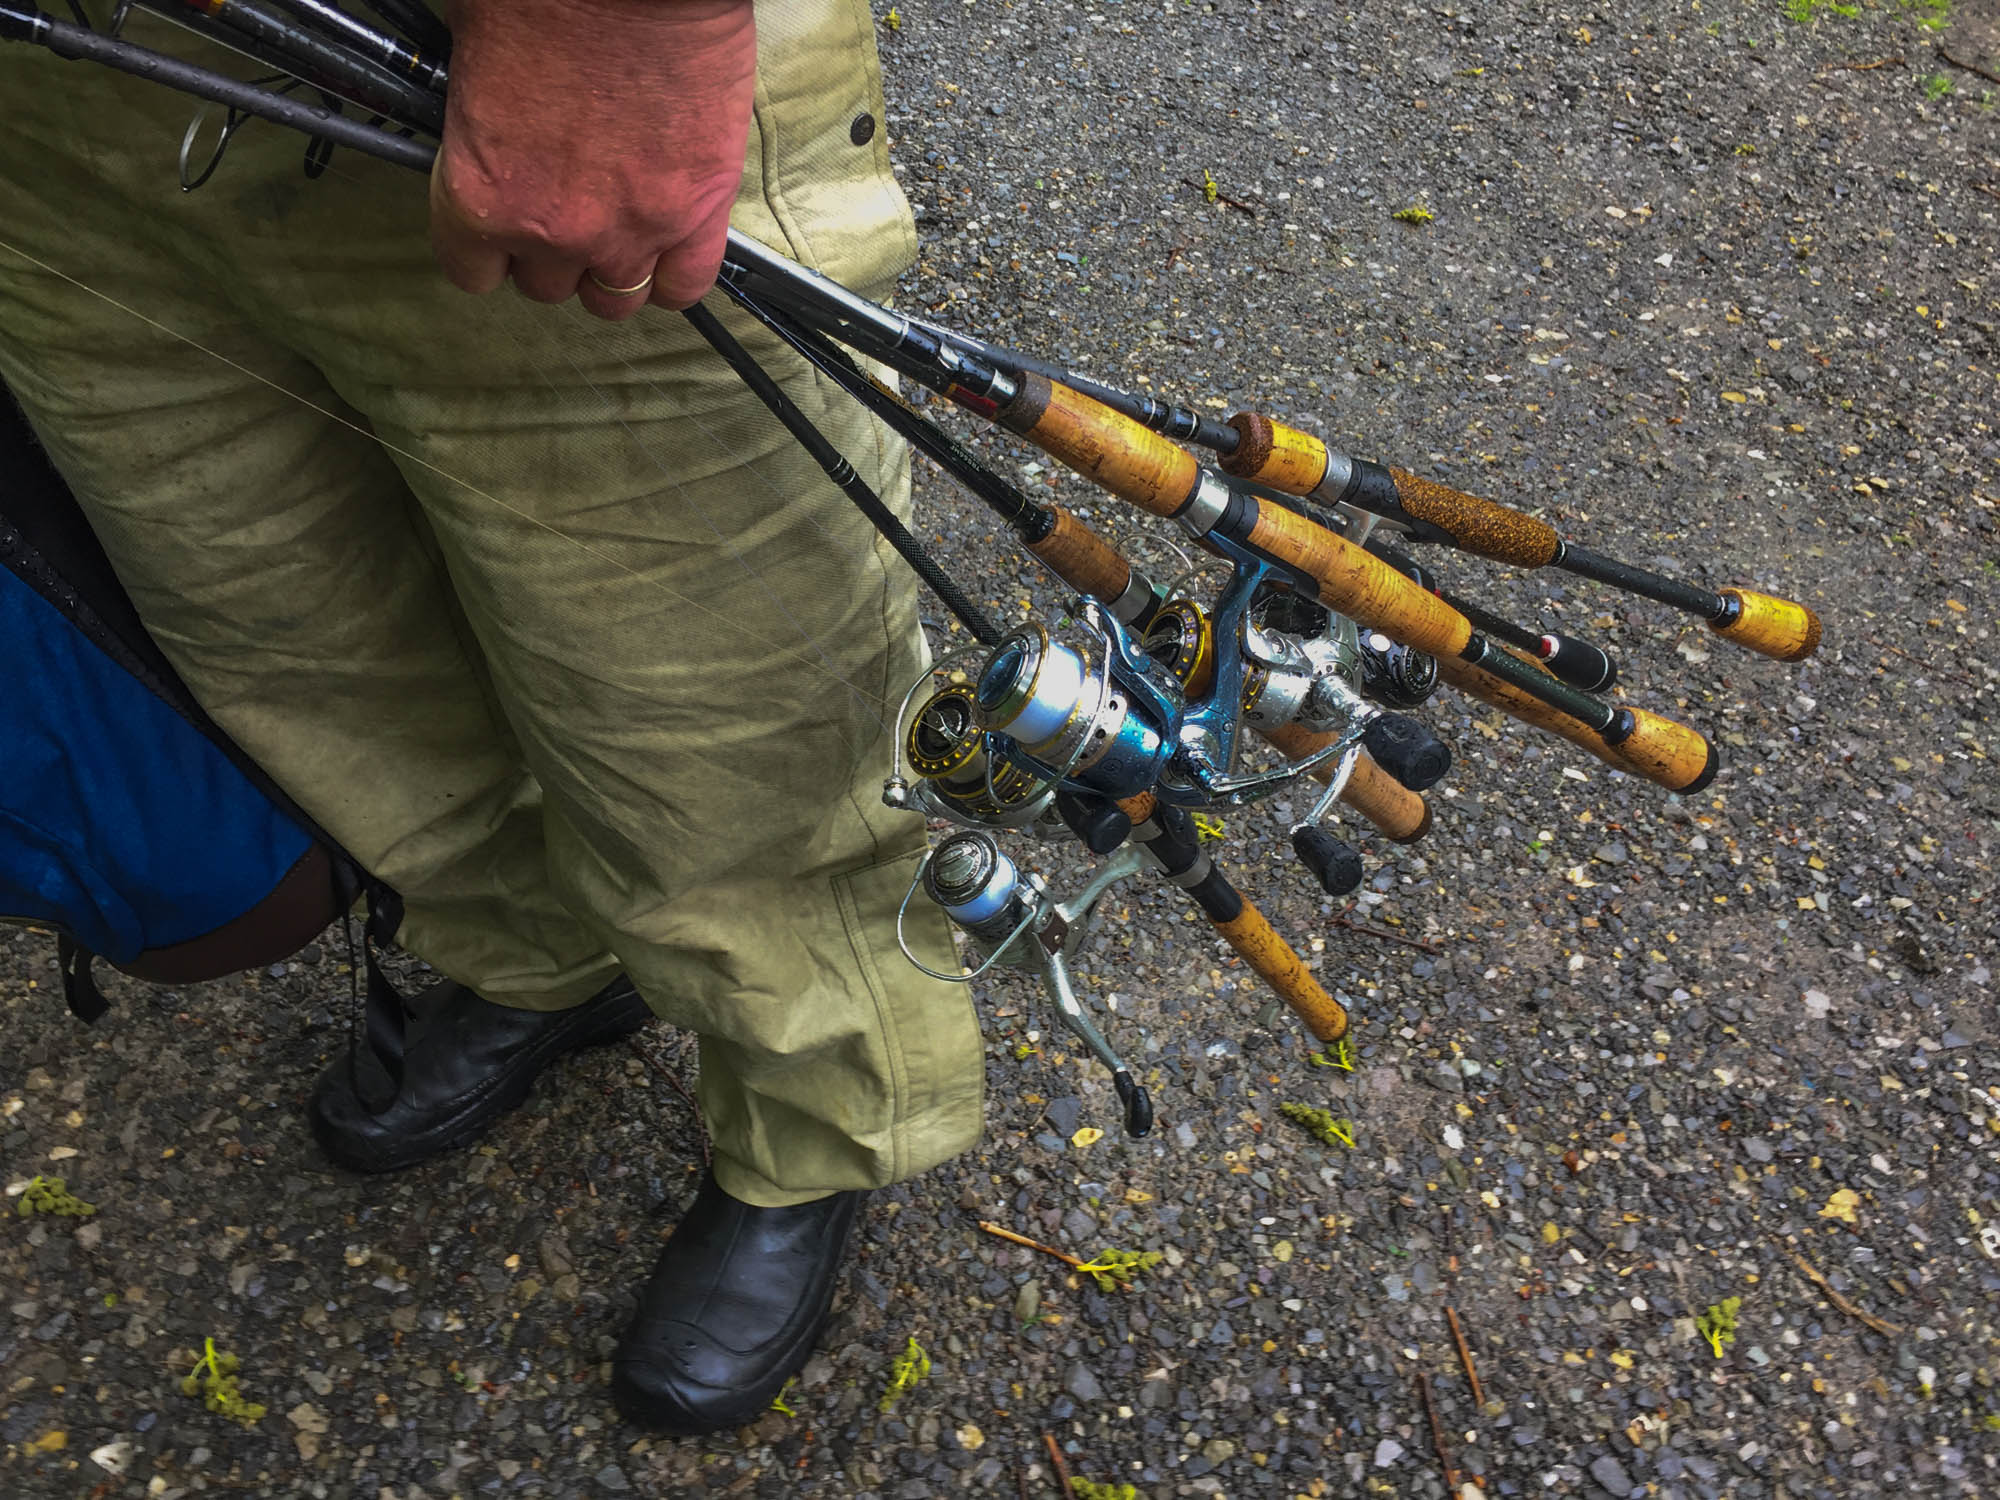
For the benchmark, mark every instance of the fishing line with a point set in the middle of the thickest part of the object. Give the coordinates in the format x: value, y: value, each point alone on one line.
x: 868, y: 701
x: 467, y: 485
x: 871, y: 703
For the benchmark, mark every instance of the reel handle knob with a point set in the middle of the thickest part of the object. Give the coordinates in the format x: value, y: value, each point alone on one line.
x: 1138, y: 1104
x: 1407, y: 750
x: 1335, y: 863
x: 1577, y: 663
x: 1097, y: 821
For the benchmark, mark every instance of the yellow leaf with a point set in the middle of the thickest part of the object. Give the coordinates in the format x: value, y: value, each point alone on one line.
x: 1550, y: 1234
x: 1841, y: 1206
x: 1734, y: 397
x: 1622, y: 1360
x: 1089, y: 1135
x: 52, y: 1441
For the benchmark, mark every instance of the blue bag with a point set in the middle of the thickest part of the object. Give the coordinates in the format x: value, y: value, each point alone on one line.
x: 130, y: 824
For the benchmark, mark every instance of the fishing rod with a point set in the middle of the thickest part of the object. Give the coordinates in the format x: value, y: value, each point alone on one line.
x: 1274, y: 456
x: 1576, y: 662
x: 425, y: 62
x: 392, y: 82
x: 1124, y: 723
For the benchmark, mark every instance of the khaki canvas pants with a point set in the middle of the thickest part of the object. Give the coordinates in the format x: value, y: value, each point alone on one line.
x: 577, y: 650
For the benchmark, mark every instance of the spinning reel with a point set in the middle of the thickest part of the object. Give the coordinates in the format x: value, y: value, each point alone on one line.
x: 1113, y: 732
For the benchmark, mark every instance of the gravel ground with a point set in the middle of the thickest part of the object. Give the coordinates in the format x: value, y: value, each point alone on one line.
x: 1702, y: 287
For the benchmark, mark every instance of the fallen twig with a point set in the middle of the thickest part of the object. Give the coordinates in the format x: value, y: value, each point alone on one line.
x: 1437, y: 1432
x: 1061, y: 1467
x: 1465, y: 1357
x: 1857, y: 67
x: 1221, y: 197
x: 1021, y: 1239
x: 1958, y: 62
x: 700, y: 1124
x: 1818, y: 1279
x: 1930, y: 666
x: 1985, y: 187
x: 1387, y: 934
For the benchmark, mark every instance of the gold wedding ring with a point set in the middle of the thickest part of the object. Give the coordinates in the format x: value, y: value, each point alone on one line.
x: 619, y: 291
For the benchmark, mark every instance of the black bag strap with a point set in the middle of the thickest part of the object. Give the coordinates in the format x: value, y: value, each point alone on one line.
x: 80, y: 992
x: 386, y: 1012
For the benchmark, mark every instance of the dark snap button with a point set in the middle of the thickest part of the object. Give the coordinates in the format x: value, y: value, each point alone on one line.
x: 862, y: 131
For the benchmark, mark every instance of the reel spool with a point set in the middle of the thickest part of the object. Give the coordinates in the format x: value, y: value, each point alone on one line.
x: 1063, y: 711
x: 959, y: 780
x: 1181, y: 640
x: 978, y: 887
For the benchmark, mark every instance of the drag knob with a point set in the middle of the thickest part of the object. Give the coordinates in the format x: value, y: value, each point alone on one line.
x: 1394, y: 675
x: 1334, y: 863
x: 1407, y: 751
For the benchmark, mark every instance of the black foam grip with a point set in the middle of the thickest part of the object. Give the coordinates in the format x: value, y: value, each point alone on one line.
x: 1578, y: 663
x: 1335, y: 864
x: 1407, y: 750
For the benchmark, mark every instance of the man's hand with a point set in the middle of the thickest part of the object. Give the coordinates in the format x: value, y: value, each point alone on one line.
x: 592, y: 148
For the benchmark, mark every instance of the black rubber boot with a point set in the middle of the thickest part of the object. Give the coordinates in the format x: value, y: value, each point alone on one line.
x: 736, y: 1302
x: 466, y: 1062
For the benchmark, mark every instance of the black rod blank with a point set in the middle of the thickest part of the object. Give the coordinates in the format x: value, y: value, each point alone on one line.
x: 1030, y: 521
x: 26, y: 23
x: 841, y: 472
